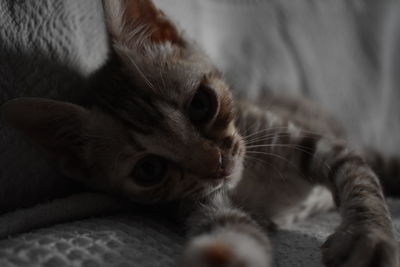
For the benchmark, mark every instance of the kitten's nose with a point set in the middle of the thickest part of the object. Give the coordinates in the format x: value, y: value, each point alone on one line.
x: 214, y: 157
x: 218, y: 165
x: 218, y: 162
x: 212, y: 162
x: 209, y: 162
x: 223, y: 167
x: 216, y: 170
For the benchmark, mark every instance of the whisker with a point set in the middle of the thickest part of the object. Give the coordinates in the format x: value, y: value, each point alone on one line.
x: 294, y: 146
x: 280, y: 157
x: 142, y: 74
x: 249, y: 128
x: 271, y: 154
x: 279, y: 134
x: 265, y: 129
x: 304, y: 132
x: 163, y: 81
x: 267, y: 137
x: 266, y: 162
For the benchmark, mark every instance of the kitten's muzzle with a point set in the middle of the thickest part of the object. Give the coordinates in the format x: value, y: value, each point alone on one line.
x: 224, y: 169
x: 227, y: 166
x: 216, y: 165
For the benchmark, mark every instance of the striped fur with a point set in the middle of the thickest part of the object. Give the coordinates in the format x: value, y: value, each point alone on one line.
x: 301, y: 151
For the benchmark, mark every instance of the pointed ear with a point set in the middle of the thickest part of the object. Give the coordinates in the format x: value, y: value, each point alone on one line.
x: 57, y: 127
x: 130, y: 22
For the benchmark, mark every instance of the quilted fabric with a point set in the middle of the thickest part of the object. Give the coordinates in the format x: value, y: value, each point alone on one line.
x: 120, y: 240
x: 147, y: 240
x: 340, y: 53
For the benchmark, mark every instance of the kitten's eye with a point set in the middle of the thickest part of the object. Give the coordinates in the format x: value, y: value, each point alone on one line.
x: 203, y: 105
x: 150, y: 170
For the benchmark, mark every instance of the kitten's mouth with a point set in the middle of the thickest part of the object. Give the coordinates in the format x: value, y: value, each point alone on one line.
x: 219, y: 177
x: 224, y: 172
x: 228, y: 174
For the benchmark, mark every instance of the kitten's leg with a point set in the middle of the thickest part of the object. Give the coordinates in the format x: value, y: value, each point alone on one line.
x: 223, y: 236
x: 366, y: 234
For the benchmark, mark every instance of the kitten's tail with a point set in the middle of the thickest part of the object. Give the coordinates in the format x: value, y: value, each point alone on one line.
x: 387, y: 169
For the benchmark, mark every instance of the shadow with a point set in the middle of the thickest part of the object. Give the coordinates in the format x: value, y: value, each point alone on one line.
x: 26, y: 178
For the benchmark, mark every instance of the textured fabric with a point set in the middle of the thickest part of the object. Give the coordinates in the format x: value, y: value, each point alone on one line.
x: 340, y: 53
x: 120, y: 240
x: 145, y: 240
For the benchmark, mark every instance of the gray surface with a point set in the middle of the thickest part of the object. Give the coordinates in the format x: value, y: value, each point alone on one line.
x: 338, y: 54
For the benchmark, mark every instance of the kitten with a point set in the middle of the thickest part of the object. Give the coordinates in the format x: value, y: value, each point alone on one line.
x: 159, y: 124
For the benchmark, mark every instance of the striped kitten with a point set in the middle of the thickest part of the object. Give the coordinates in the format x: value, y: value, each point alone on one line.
x: 159, y: 125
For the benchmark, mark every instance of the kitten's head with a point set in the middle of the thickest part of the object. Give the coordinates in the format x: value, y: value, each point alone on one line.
x: 158, y: 123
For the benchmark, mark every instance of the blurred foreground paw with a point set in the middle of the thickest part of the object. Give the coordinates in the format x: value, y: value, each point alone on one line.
x: 227, y: 249
x: 360, y: 248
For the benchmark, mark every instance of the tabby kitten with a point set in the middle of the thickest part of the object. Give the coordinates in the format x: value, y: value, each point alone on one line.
x: 159, y: 125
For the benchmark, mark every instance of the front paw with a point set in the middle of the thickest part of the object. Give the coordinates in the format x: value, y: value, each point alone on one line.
x: 227, y: 249
x: 360, y: 247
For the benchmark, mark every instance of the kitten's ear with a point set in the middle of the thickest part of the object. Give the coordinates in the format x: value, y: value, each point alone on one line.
x: 130, y: 22
x: 56, y: 126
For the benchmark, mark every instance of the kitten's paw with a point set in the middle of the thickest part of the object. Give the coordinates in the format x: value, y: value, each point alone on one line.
x: 227, y: 249
x: 360, y: 248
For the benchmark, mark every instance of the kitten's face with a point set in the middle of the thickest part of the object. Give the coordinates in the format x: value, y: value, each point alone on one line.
x: 159, y: 122
x: 173, y: 107
x: 175, y: 122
